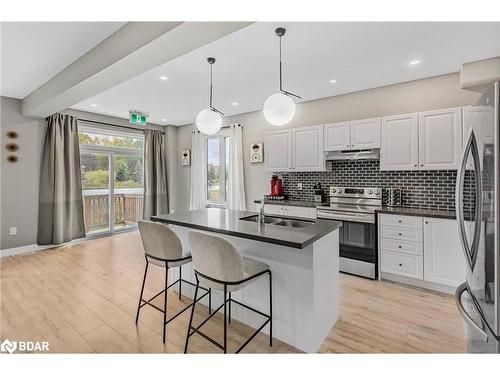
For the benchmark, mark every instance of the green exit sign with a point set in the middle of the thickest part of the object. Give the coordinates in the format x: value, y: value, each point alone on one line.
x: 138, y: 118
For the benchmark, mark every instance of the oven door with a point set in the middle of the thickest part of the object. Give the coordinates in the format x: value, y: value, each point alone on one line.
x: 357, y: 242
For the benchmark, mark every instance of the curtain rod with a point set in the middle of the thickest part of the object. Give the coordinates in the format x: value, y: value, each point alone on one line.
x: 108, y: 124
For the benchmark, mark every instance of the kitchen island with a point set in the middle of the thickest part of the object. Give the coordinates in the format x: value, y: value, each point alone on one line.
x: 304, y: 260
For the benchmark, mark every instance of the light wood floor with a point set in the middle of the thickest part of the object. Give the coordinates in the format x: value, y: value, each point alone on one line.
x: 83, y: 298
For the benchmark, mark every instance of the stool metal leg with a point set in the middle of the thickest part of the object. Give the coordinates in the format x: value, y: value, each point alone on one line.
x: 142, y: 292
x: 270, y: 309
x: 180, y: 282
x: 225, y: 320
x: 209, y: 301
x: 229, y: 301
x: 188, y: 335
x: 165, y: 304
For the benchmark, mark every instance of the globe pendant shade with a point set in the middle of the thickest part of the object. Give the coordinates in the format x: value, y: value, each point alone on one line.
x: 208, y: 122
x: 279, y: 109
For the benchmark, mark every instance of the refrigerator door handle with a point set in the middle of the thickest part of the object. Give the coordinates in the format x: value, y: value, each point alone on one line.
x: 470, y: 251
x: 458, y: 299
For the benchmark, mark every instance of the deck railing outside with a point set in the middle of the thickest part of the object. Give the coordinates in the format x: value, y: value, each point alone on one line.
x: 128, y: 208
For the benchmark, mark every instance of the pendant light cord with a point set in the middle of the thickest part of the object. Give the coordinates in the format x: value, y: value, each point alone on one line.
x: 287, y: 93
x: 211, y: 89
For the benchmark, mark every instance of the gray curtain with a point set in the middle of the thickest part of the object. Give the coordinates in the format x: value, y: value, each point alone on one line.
x: 155, y: 174
x: 60, y: 213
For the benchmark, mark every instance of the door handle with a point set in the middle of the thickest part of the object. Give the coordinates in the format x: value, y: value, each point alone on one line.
x: 471, y: 251
x: 458, y: 299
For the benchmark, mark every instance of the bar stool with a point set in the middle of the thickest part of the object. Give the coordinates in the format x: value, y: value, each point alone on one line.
x: 219, y: 265
x: 163, y: 248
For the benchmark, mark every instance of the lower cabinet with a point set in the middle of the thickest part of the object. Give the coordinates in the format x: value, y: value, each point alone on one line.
x: 444, y: 261
x: 426, y: 250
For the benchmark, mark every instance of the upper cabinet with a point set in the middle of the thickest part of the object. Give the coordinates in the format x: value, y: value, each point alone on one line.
x: 298, y: 149
x: 440, y: 138
x: 278, y: 150
x: 307, y: 149
x: 352, y: 135
x: 399, y: 147
x: 365, y: 134
x: 425, y: 141
x: 337, y: 136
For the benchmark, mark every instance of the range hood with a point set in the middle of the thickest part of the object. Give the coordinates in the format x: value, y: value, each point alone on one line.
x: 353, y: 154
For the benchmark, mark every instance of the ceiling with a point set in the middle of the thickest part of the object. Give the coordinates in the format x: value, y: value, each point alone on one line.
x: 358, y: 56
x: 33, y: 52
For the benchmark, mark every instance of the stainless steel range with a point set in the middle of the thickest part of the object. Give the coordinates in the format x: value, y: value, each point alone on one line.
x: 355, y: 207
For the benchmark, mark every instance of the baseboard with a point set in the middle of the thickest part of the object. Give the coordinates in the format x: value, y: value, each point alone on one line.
x: 418, y: 283
x: 24, y: 250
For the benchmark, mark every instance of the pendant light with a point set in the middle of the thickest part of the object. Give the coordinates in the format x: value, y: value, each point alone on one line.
x: 209, y: 121
x: 279, y: 108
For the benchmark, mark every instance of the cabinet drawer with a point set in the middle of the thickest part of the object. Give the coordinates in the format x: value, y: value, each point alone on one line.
x: 307, y: 212
x: 399, y: 246
x: 274, y: 209
x: 401, y: 221
x: 404, y: 234
x: 402, y: 264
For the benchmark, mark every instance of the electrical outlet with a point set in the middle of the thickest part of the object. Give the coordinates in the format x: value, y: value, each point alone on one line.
x: 299, y: 185
x: 13, y: 231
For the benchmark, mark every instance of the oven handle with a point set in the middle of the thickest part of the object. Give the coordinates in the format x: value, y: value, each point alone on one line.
x: 349, y: 217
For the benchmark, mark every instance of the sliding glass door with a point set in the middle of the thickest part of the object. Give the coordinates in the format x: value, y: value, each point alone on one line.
x: 112, y: 179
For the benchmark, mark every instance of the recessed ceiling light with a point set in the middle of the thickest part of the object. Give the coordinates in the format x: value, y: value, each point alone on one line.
x: 414, y: 62
x: 234, y: 103
x: 163, y: 78
x: 93, y: 105
x: 163, y: 120
x: 333, y: 80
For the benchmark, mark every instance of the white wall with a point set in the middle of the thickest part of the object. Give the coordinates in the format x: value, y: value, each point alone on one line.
x: 426, y: 94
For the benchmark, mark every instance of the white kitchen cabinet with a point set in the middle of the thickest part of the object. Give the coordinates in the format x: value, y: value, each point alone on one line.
x: 399, y: 142
x: 337, y: 137
x: 440, y: 138
x: 466, y: 124
x: 278, y: 150
x: 307, y: 148
x: 287, y: 210
x: 444, y: 262
x: 298, y: 149
x: 365, y: 134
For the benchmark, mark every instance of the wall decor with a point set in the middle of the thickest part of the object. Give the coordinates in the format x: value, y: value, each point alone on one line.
x: 12, y: 147
x: 256, y: 153
x: 12, y: 135
x: 12, y: 158
x: 186, y: 158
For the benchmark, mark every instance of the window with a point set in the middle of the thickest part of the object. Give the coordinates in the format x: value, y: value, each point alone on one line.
x: 112, y: 178
x: 217, y: 149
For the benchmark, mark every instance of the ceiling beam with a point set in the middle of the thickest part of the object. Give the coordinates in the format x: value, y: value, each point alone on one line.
x: 135, y: 48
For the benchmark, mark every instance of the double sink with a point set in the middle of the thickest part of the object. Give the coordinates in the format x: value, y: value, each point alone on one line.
x: 283, y: 222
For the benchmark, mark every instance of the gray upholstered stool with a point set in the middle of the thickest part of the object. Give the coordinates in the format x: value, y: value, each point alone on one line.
x: 219, y: 265
x: 163, y: 248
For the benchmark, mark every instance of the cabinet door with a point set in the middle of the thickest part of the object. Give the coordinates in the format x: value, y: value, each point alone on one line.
x: 466, y: 122
x: 337, y: 136
x: 440, y: 138
x: 278, y: 150
x: 443, y: 259
x: 307, y: 147
x: 399, y: 142
x: 365, y: 134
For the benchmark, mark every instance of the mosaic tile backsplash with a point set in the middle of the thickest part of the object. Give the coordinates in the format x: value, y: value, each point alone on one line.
x: 421, y: 189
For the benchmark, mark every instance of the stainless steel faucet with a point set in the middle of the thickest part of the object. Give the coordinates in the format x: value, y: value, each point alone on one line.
x: 262, y: 216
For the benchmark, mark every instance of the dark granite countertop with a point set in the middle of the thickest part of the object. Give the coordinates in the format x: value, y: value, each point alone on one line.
x: 440, y: 214
x: 224, y: 221
x: 286, y: 202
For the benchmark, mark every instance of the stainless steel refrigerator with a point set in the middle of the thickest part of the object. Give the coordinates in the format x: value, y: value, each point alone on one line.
x: 478, y: 216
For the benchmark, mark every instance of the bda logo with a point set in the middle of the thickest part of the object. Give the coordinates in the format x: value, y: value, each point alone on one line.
x: 8, y: 346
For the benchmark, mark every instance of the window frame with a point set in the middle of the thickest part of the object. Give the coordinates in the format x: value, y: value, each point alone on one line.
x: 221, y: 135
